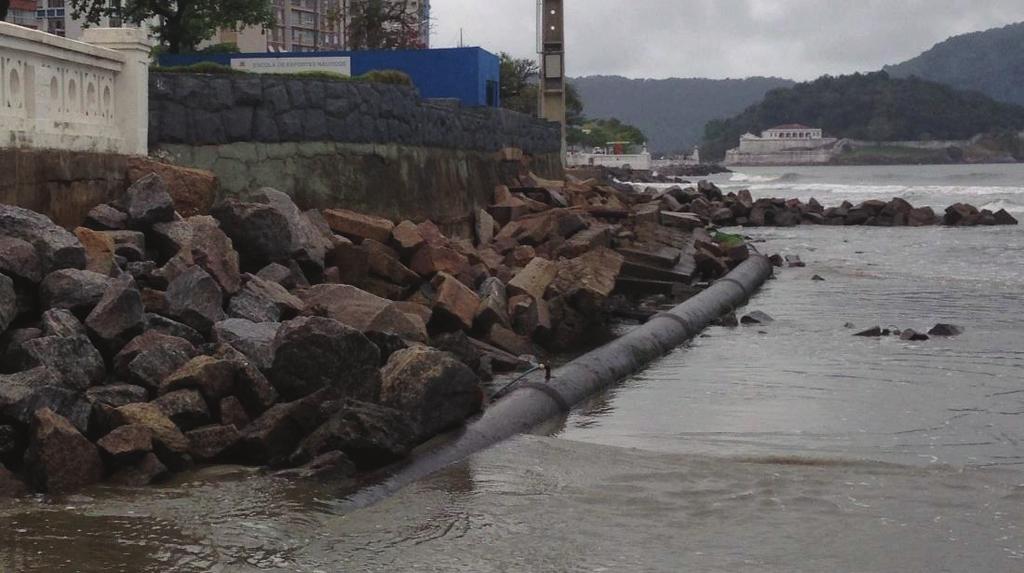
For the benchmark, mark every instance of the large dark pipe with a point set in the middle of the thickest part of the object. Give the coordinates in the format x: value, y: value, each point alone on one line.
x: 536, y: 400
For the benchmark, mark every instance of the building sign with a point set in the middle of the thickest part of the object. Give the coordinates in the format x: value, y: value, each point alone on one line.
x: 286, y: 65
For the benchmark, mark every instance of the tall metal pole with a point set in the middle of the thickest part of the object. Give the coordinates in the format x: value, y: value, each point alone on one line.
x: 551, y: 47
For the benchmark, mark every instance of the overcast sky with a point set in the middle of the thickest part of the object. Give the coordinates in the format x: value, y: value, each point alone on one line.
x: 798, y: 39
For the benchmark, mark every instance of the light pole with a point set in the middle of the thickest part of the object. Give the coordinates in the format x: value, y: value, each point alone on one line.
x: 551, y: 47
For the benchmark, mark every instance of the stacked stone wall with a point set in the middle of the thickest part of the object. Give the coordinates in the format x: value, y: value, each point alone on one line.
x: 196, y: 109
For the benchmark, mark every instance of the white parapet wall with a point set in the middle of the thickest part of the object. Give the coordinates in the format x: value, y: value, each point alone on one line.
x: 61, y: 94
x: 636, y: 162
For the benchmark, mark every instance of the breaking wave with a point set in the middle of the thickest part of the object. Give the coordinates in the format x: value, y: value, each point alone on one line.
x: 745, y: 178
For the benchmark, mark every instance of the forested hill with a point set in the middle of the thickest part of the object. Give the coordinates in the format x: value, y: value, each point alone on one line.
x: 872, y: 107
x: 672, y: 112
x: 991, y: 62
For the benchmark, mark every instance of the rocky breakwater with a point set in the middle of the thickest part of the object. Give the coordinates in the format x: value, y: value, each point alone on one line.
x: 707, y: 202
x: 144, y: 342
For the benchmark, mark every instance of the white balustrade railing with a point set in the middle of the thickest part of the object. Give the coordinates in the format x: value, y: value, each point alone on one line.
x: 57, y: 93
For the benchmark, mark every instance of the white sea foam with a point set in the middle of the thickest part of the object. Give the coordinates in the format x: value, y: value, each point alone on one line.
x: 744, y: 178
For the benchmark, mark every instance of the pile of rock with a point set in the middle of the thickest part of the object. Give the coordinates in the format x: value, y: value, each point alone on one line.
x: 911, y: 335
x: 709, y: 205
x: 144, y: 342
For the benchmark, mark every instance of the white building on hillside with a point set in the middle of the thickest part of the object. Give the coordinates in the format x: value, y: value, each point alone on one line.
x: 790, y: 144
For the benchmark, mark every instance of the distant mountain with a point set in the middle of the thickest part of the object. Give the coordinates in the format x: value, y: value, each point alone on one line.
x: 673, y: 112
x: 872, y: 107
x: 991, y: 62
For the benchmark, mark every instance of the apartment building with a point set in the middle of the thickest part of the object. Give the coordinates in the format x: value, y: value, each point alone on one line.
x: 320, y: 25
x: 22, y: 13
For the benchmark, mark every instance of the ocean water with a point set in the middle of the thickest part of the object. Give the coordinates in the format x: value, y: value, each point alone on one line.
x: 984, y: 186
x: 788, y: 447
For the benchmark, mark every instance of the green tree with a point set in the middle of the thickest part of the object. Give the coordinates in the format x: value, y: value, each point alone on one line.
x: 4, y: 6
x: 385, y: 24
x: 519, y: 84
x: 182, y: 24
x: 519, y: 81
x: 600, y: 132
x: 872, y: 107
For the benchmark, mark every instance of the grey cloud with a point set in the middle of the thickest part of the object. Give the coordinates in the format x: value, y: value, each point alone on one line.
x: 798, y: 39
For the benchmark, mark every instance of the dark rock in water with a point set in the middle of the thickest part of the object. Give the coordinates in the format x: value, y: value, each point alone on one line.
x: 946, y: 330
x: 79, y: 363
x: 213, y: 442
x: 371, y: 436
x: 858, y: 216
x: 22, y: 394
x: 757, y: 317
x: 434, y: 388
x: 151, y: 357
x: 8, y: 303
x: 73, y: 289
x: 195, y: 299
x: 271, y: 438
x: 334, y: 464
x: 170, y: 445
x: 818, y: 278
x: 144, y: 472
x: 254, y: 340
x: 59, y: 458
x: 103, y: 217
x: 793, y: 261
x: 186, y: 408
x: 55, y: 247
x: 311, y: 353
x: 126, y: 442
x: 117, y: 395
x: 1002, y: 217
x: 873, y: 332
x: 19, y: 261
x: 148, y: 203
x: 728, y: 320
x: 913, y: 335
x: 776, y: 260
x: 10, y: 486
x: 961, y: 214
x: 921, y: 217
x: 118, y: 317
x: 164, y: 325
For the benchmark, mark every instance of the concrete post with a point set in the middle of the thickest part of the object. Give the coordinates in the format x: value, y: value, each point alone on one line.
x: 131, y: 93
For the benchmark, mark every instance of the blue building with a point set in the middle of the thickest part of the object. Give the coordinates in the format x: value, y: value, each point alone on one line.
x: 471, y: 75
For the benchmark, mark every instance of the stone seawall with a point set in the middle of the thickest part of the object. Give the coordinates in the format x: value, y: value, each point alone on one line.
x: 394, y: 181
x: 374, y: 147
